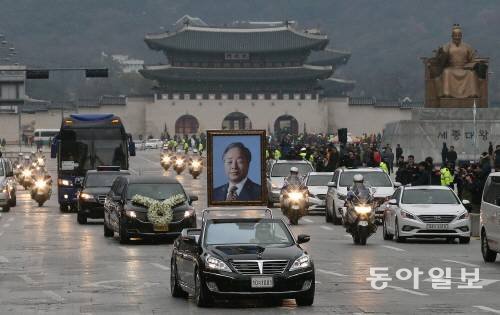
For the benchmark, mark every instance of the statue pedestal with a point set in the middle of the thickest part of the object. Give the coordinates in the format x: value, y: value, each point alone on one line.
x: 428, y: 128
x: 460, y: 102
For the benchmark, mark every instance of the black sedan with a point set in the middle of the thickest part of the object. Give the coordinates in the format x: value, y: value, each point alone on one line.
x: 130, y: 219
x: 241, y: 258
x: 91, y: 196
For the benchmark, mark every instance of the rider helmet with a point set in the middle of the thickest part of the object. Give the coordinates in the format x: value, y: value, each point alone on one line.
x: 358, y: 178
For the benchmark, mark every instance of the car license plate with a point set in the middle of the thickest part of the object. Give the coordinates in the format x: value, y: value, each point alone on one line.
x: 437, y: 226
x: 262, y: 282
x: 160, y: 228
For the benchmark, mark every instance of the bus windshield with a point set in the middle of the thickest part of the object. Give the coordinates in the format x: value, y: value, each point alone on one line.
x: 83, y: 149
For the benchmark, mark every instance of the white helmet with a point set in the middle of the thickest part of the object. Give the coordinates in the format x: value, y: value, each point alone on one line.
x: 358, y: 178
x: 293, y: 169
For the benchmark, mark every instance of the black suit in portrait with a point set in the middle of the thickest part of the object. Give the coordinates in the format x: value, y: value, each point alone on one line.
x: 250, y: 192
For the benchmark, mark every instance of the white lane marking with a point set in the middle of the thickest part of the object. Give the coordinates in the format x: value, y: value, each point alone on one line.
x: 1, y: 233
x: 125, y: 249
x: 10, y: 220
x: 53, y: 295
x: 487, y: 309
x: 394, y: 248
x: 317, y: 282
x: 331, y: 273
x: 400, y: 289
x: 347, y: 235
x: 27, y: 279
x: 308, y: 220
x: 6, y: 225
x: 160, y: 266
x: 3, y: 259
x: 461, y: 263
x: 133, y: 171
x: 324, y: 227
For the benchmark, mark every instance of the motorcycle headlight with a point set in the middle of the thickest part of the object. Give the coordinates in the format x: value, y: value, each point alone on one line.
x: 179, y: 162
x: 65, y: 182
x: 196, y: 164
x: 363, y: 209
x: 86, y: 196
x: 40, y: 160
x: 295, y: 196
x: 407, y: 215
x: 165, y: 159
x: 464, y: 216
x: 26, y: 173
x: 302, y: 262
x: 188, y: 213
x: 216, y: 264
x: 40, y: 183
x: 3, y: 188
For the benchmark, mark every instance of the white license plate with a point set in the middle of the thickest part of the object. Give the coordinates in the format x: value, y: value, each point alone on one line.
x: 262, y: 282
x: 437, y: 226
x: 363, y: 223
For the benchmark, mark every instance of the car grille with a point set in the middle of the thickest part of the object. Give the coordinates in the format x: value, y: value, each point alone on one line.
x: 251, y: 267
x: 101, y: 198
x: 436, y: 218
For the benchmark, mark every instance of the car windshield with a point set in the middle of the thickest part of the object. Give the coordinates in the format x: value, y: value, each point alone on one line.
x: 373, y: 179
x: 261, y: 232
x: 283, y: 169
x: 101, y: 179
x: 158, y: 191
x: 429, y: 196
x: 319, y: 180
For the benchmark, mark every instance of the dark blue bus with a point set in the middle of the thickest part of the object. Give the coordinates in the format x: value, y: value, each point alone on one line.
x: 85, y: 142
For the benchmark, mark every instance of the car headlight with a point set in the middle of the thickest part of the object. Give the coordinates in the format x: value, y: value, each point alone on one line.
x: 341, y: 197
x: 464, y: 216
x: 363, y: 209
x: 216, y: 264
x: 65, y: 182
x: 86, y: 196
x: 407, y: 215
x: 131, y: 213
x: 302, y: 262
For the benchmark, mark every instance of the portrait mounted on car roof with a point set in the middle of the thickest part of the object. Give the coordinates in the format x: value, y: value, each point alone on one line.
x: 235, y: 167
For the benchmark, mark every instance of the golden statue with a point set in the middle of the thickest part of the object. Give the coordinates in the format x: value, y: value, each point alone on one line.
x: 455, y: 77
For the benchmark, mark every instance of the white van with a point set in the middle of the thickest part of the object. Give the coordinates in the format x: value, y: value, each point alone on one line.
x: 44, y: 136
x: 490, y: 218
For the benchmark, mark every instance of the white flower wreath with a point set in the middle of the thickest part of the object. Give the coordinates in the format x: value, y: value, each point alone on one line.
x: 159, y: 212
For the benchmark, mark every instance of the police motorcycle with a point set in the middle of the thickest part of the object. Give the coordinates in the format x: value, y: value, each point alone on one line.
x: 294, y: 198
x: 195, y: 167
x: 26, y: 173
x: 179, y: 164
x: 41, y: 190
x: 359, y: 214
x: 166, y: 160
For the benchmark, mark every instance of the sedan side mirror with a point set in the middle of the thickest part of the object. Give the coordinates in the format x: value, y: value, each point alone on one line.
x: 397, y: 184
x: 393, y: 202
x: 332, y: 184
x: 302, y: 238
x: 465, y: 202
x: 193, y: 197
x: 189, y: 239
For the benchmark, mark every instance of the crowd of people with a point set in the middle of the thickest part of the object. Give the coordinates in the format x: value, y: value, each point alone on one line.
x: 468, y: 178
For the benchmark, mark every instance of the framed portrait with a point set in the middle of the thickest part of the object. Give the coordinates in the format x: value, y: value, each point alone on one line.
x: 236, y: 167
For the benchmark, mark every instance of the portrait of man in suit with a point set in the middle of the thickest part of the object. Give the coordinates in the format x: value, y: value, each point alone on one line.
x: 239, y: 187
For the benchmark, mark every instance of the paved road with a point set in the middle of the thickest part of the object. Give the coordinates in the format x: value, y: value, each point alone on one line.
x: 50, y: 264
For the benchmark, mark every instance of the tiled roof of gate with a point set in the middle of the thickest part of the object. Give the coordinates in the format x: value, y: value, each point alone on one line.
x: 233, y: 39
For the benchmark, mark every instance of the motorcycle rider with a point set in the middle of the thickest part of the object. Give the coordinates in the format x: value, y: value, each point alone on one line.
x: 293, y: 179
x: 358, y: 188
